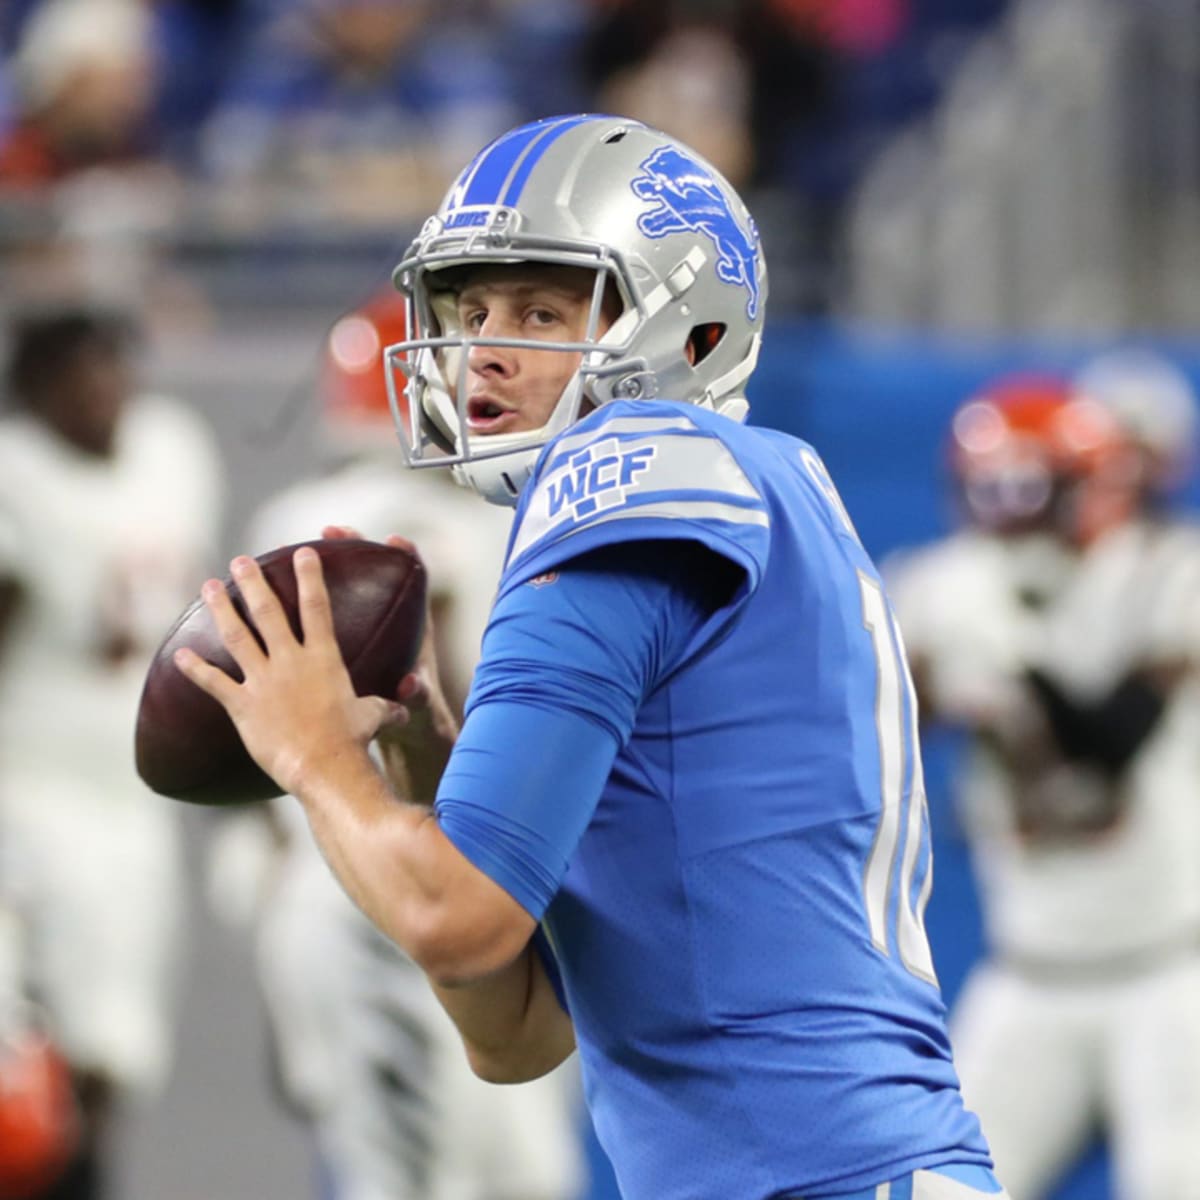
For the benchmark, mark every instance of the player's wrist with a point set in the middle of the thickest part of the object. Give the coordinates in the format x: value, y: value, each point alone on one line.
x: 327, y: 772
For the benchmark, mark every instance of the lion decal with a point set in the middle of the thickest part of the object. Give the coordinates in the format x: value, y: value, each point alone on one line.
x: 687, y: 199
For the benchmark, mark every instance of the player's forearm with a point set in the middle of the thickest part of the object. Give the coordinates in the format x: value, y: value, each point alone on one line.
x: 397, y: 865
x: 511, y: 1023
x: 372, y: 842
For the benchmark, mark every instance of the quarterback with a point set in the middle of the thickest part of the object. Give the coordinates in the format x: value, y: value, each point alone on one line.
x: 683, y: 826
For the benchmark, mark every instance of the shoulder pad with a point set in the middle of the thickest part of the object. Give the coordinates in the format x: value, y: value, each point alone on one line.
x: 627, y: 477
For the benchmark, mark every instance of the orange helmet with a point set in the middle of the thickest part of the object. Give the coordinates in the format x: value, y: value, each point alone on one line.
x: 39, y: 1118
x: 1031, y: 452
x: 353, y: 387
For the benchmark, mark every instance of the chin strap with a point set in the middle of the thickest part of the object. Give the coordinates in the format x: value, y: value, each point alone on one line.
x: 498, y: 480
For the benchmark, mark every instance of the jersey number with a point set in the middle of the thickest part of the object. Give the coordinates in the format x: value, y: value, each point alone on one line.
x: 898, y: 746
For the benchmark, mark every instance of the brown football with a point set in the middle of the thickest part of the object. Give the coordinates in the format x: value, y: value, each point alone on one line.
x: 185, y: 744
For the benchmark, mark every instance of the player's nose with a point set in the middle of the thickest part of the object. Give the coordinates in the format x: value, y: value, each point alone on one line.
x: 492, y: 359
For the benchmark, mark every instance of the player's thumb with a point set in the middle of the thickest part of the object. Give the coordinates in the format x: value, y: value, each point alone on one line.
x: 380, y: 714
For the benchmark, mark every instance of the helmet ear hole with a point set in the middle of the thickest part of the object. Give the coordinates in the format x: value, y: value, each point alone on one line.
x: 703, y: 340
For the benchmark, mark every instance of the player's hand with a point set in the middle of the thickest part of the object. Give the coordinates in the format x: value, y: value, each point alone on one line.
x: 296, y: 709
x: 417, y: 741
x: 427, y: 716
x: 425, y: 730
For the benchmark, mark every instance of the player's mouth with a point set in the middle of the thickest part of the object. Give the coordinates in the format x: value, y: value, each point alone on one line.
x: 485, y: 416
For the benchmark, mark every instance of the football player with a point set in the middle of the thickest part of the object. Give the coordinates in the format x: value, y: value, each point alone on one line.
x: 109, y: 510
x: 1059, y: 627
x: 364, y: 1051
x: 683, y: 825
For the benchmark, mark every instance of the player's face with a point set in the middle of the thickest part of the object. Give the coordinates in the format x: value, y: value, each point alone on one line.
x: 514, y: 390
x: 85, y: 401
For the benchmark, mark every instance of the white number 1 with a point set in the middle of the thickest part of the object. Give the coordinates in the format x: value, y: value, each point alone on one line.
x: 894, y: 687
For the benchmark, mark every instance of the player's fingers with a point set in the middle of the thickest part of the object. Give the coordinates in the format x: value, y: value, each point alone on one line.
x: 205, y: 676
x: 261, y: 603
x: 336, y: 532
x: 401, y: 543
x: 235, y: 635
x: 385, y: 714
x: 316, y: 613
x: 413, y: 689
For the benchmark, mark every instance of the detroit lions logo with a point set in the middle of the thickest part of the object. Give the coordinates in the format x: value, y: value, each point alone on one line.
x: 688, y: 198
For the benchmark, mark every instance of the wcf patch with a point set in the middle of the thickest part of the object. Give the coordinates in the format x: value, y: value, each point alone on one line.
x: 597, y: 478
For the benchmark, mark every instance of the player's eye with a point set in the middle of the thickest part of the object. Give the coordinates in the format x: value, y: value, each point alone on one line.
x: 473, y: 319
x: 542, y: 316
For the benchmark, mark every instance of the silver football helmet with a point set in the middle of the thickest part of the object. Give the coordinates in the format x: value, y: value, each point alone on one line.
x: 650, y: 217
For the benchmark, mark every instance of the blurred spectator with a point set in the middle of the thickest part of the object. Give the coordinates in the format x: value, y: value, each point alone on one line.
x: 13, y: 15
x: 86, y: 195
x: 99, y: 486
x: 84, y: 73
x: 790, y: 98
x: 365, y: 1053
x: 354, y: 109
x: 740, y: 82
x: 1060, y: 627
x: 109, y: 82
x: 540, y: 43
x: 196, y: 40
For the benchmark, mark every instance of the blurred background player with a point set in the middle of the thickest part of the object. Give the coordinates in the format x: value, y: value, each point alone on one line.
x: 99, y: 486
x: 1060, y: 627
x: 365, y: 1054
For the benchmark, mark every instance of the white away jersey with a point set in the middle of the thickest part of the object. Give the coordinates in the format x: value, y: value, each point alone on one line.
x: 107, y: 553
x: 973, y: 624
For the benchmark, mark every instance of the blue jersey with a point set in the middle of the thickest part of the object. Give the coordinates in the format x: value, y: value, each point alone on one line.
x: 733, y: 869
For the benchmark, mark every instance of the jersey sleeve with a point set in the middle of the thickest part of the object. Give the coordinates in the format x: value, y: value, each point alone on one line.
x: 642, y: 471
x: 566, y: 666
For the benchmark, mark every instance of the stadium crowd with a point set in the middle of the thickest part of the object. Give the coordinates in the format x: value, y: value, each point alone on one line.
x: 246, y: 117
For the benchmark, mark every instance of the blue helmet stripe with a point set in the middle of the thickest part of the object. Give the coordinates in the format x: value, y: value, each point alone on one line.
x: 512, y: 193
x: 486, y: 175
x: 484, y: 182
